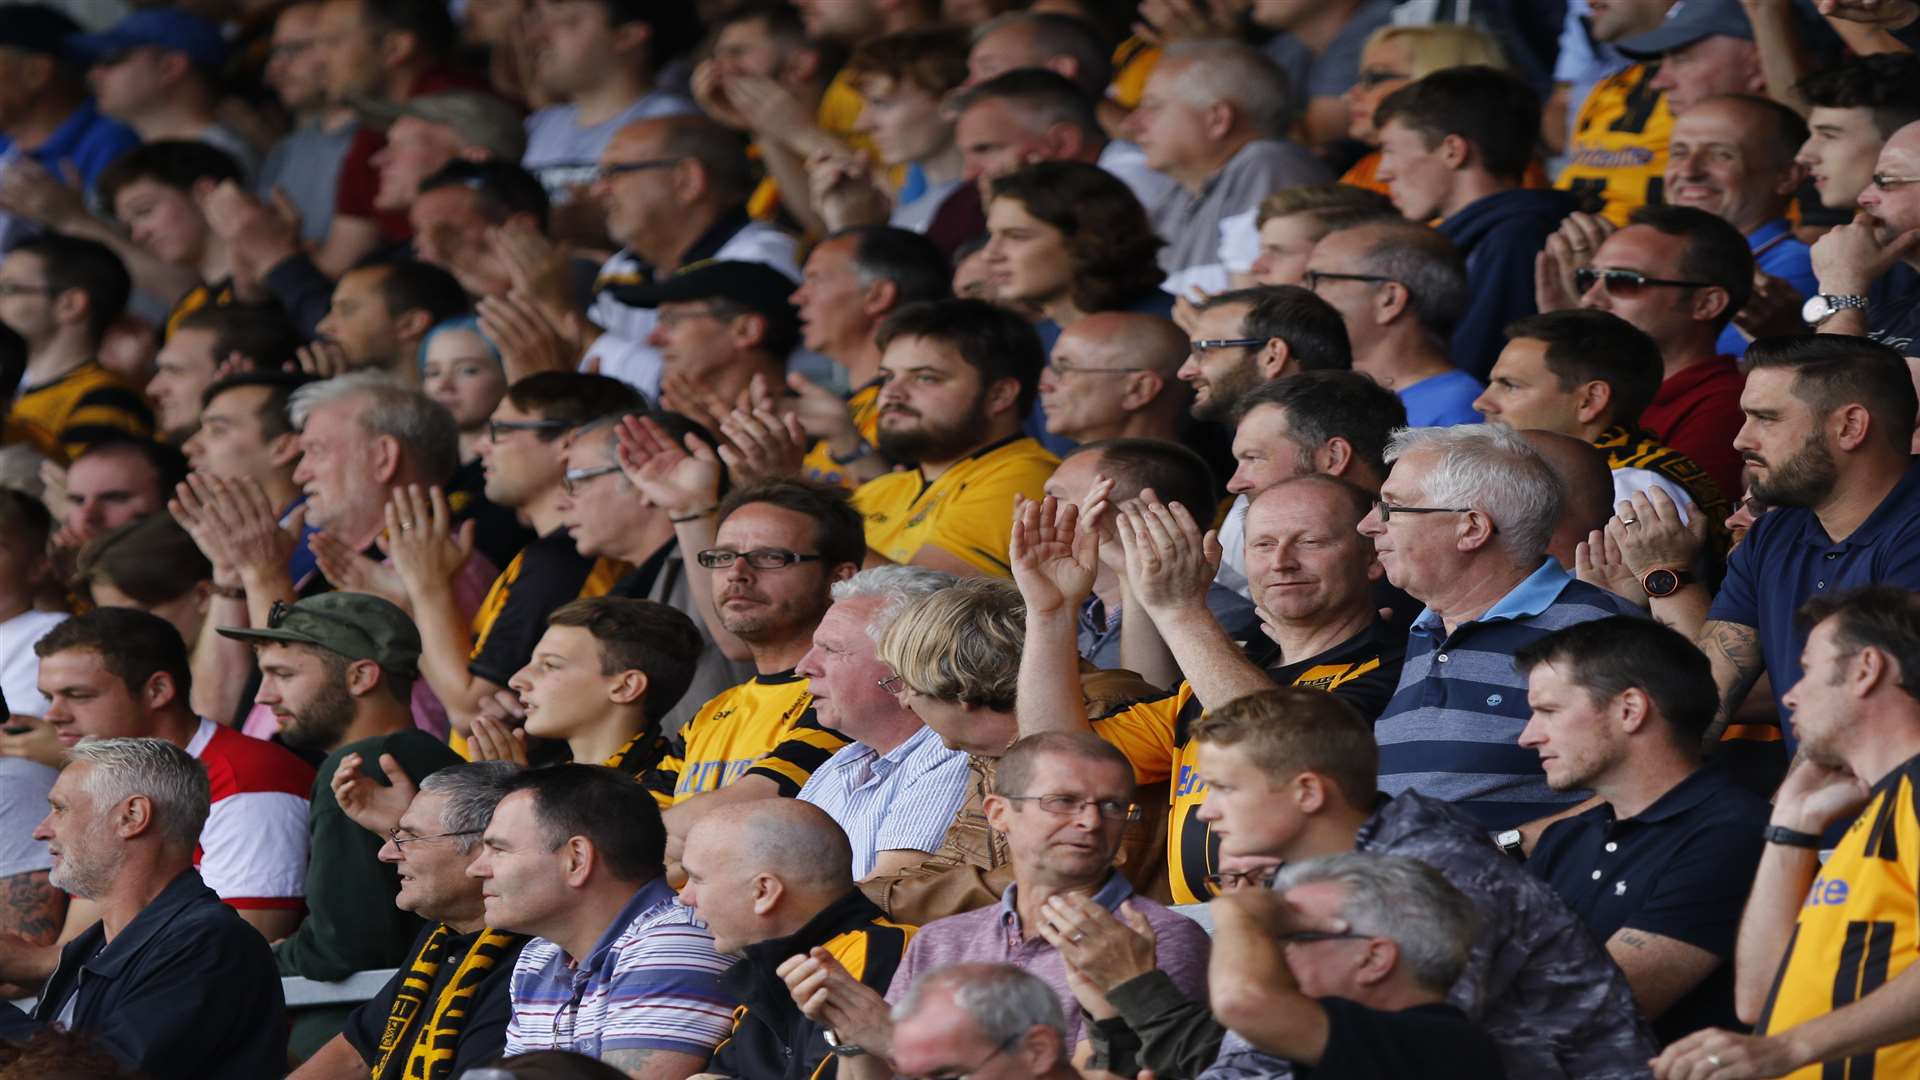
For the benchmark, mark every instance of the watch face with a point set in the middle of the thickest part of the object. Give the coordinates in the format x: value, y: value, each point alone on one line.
x: 1662, y: 582
x: 1815, y: 309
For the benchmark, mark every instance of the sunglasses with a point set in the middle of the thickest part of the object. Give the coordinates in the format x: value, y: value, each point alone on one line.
x: 1626, y: 284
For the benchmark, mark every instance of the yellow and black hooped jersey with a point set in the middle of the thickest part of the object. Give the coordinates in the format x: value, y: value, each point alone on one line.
x: 865, y: 405
x: 89, y: 404
x: 1617, y: 155
x: 765, y: 726
x: 1638, y: 448
x: 1155, y: 736
x: 218, y: 294
x: 968, y: 512
x: 1857, y: 929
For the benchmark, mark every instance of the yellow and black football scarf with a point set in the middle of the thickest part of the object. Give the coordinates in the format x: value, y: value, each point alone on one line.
x: 429, y: 1051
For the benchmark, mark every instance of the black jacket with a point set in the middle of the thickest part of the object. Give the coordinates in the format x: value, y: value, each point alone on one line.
x: 187, y: 990
x: 771, y: 1037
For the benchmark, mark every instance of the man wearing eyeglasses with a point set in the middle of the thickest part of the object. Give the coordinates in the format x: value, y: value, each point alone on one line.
x: 1247, y: 337
x: 1062, y: 800
x: 337, y: 672
x: 1113, y: 375
x: 1858, y: 263
x: 723, y: 324
x: 468, y: 662
x: 447, y: 1008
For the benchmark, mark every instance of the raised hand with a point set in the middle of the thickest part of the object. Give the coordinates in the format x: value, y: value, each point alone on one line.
x: 1657, y: 537
x: 823, y: 414
x: 1054, y: 554
x: 680, y: 478
x: 831, y: 997
x: 492, y: 740
x: 29, y: 191
x: 1886, y: 14
x: 260, y: 234
x: 529, y: 342
x: 235, y: 526
x: 1105, y: 950
x: 537, y: 267
x: 1598, y: 562
x: 36, y: 741
x: 1851, y: 257
x: 1170, y: 562
x: 762, y: 444
x: 426, y: 548
x: 768, y: 106
x: 1814, y: 796
x: 373, y: 806
x: 1164, y: 22
x: 1774, y: 308
x: 710, y: 93
x: 692, y: 399
x: 1572, y: 246
x: 350, y: 570
x: 322, y: 359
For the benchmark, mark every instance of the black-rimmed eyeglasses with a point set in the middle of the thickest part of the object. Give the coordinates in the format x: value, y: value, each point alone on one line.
x: 758, y: 558
x: 1313, y: 278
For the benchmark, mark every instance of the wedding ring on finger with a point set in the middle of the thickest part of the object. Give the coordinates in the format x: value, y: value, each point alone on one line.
x: 1629, y: 522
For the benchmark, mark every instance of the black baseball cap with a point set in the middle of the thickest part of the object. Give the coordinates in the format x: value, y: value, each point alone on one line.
x: 37, y: 28
x: 755, y: 286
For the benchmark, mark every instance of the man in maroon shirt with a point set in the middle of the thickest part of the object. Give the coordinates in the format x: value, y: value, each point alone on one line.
x: 1679, y: 274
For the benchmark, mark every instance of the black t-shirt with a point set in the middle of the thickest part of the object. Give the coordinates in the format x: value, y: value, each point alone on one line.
x: 1893, y: 308
x: 1426, y: 1042
x: 484, y: 1035
x: 549, y: 573
x: 1362, y: 671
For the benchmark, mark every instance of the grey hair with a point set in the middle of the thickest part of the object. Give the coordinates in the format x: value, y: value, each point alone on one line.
x: 1490, y: 468
x: 417, y: 422
x: 1404, y: 900
x: 1238, y: 74
x: 173, y: 782
x: 1427, y: 265
x: 898, y: 586
x: 1003, y: 1001
x: 473, y: 789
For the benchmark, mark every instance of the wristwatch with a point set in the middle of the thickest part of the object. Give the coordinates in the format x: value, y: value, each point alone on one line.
x: 1820, y: 308
x: 842, y: 1049
x: 1780, y: 834
x: 1661, y: 582
x: 1510, y: 842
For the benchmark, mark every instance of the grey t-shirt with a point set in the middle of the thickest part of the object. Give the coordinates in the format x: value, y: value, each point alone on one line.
x: 23, y: 802
x: 563, y: 153
x: 306, y: 165
x: 1191, y: 223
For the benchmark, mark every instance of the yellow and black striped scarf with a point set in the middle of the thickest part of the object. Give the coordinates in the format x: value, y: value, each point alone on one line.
x: 429, y: 1051
x: 640, y: 754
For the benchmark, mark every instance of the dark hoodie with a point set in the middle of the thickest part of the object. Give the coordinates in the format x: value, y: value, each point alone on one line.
x: 1499, y: 235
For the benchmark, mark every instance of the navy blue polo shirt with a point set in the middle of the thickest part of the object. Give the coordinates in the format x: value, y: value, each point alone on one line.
x: 1788, y: 559
x: 1681, y: 868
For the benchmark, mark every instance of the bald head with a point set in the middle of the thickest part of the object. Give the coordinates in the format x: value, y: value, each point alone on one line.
x: 1130, y: 339
x: 792, y: 840
x: 1583, y: 471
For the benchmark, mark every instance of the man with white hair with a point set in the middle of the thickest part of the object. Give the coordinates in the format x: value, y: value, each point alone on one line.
x: 896, y: 788
x: 981, y: 1020
x: 1462, y: 525
x: 123, y: 822
x: 1212, y: 117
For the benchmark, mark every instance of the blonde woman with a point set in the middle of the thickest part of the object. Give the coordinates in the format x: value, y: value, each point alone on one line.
x: 1397, y: 55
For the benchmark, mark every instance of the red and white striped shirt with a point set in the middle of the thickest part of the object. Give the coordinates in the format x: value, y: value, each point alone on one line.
x: 253, y: 850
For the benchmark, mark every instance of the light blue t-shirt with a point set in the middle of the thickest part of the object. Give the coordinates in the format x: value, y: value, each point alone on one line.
x: 564, y: 154
x: 1442, y: 401
x: 1789, y: 259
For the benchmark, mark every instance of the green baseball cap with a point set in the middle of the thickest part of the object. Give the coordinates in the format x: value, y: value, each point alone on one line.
x: 358, y: 626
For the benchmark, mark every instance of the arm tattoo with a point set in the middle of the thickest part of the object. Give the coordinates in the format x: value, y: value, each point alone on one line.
x: 32, y: 908
x: 627, y: 1061
x: 1633, y: 938
x: 1734, y: 651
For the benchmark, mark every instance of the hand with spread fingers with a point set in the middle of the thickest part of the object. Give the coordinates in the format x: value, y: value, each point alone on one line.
x: 1106, y: 950
x: 234, y: 524
x: 762, y: 445
x: 1054, y: 553
x: 1170, y: 562
x: 355, y: 571
x: 426, y: 548
x: 373, y: 806
x: 693, y: 400
x: 322, y: 359
x: 503, y: 707
x: 1598, y: 562
x: 1572, y: 246
x: 528, y: 340
x: 537, y: 267
x: 1648, y: 528
x: 680, y: 478
x: 830, y: 996
x: 491, y: 740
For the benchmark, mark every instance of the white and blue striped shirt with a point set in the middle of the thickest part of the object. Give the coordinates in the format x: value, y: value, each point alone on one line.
x: 903, y: 800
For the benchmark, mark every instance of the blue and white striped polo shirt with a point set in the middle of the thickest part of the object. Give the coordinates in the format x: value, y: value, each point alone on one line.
x: 651, y: 983
x: 1452, y: 728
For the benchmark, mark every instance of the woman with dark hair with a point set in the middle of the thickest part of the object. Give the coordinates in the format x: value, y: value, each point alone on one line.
x: 1070, y: 239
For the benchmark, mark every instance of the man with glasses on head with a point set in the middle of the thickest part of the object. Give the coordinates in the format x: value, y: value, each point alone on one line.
x: 446, y: 1009
x: 1462, y: 525
x: 1851, y: 259
x: 1061, y: 800
x: 337, y: 671
x: 468, y: 662
x: 1680, y: 275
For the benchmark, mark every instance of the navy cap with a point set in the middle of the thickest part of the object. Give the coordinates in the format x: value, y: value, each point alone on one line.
x: 164, y: 28
x: 1687, y: 22
x: 755, y: 286
x: 36, y: 28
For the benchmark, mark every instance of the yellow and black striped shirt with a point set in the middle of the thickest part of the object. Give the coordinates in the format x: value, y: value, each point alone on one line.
x: 1859, y: 928
x: 765, y: 726
x: 89, y: 404
x: 1617, y: 155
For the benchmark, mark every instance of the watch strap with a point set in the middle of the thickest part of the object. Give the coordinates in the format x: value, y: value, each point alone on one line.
x: 1780, y: 834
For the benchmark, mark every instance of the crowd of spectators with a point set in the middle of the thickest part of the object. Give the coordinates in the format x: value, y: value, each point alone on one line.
x: 959, y: 539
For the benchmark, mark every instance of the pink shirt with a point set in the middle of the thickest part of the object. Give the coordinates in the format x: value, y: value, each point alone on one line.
x: 470, y: 587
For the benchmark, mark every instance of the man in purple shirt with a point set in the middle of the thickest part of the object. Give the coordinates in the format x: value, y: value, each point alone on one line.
x: 1062, y: 800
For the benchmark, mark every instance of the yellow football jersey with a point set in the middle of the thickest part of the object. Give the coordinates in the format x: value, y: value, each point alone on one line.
x: 1857, y: 929
x: 89, y: 404
x: 967, y: 513
x: 819, y: 463
x: 765, y: 725
x: 1618, y: 152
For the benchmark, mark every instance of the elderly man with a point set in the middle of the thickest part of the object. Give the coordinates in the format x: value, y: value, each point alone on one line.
x: 965, y: 1016
x: 448, y: 1008
x: 124, y: 821
x: 1400, y: 287
x: 1316, y: 1008
x: 617, y: 971
x: 1855, y: 261
x: 896, y: 788
x: 1211, y: 117
x: 1062, y: 801
x: 1474, y: 551
x: 1619, y: 706
x: 1313, y: 585
x: 1288, y: 777
x: 1112, y: 375
x: 773, y: 881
